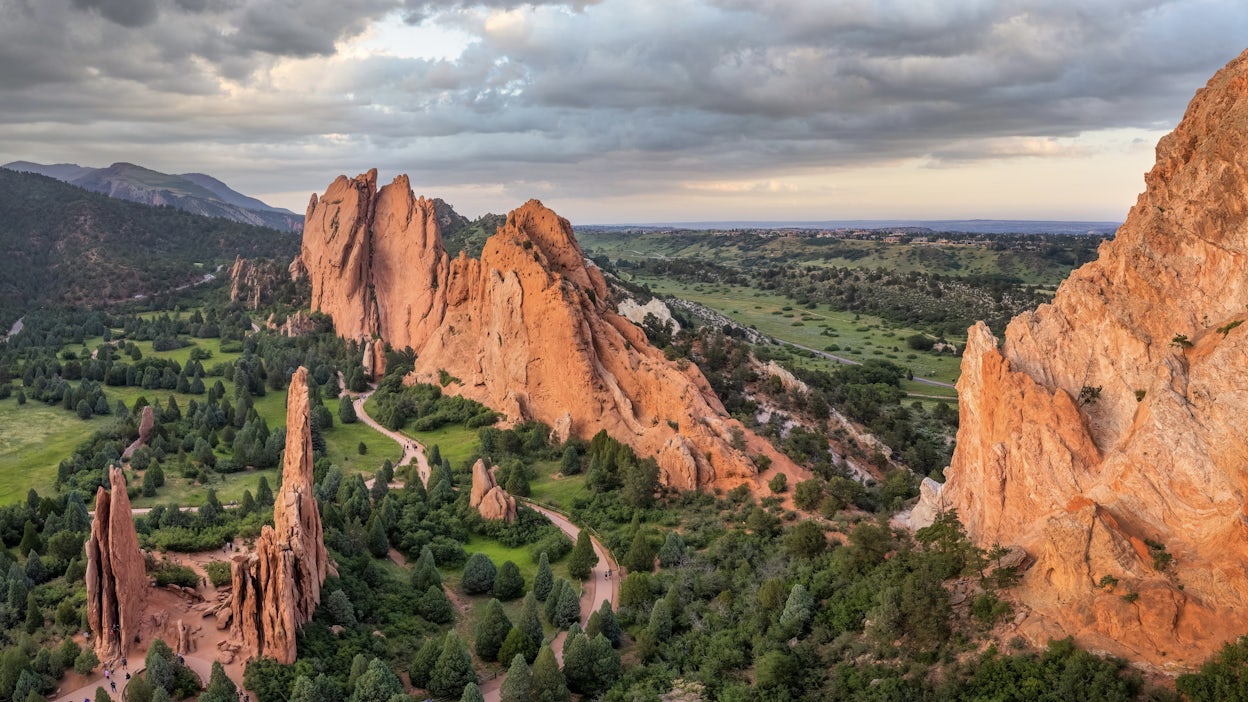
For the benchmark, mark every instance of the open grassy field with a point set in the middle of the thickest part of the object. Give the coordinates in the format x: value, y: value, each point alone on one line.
x: 845, y: 334
x: 456, y: 443
x: 34, y: 438
x: 550, y: 488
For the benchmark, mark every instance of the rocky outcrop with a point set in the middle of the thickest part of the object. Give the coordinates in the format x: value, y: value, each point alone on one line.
x: 116, y: 572
x: 254, y: 283
x: 147, y: 422
x: 276, y: 588
x: 490, y: 500
x: 528, y: 327
x: 296, y: 324
x: 1104, y: 435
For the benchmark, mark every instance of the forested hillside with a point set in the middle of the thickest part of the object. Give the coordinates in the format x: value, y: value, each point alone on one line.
x: 60, y: 244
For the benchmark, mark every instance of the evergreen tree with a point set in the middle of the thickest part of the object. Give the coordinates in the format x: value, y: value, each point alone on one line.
x: 101, y: 695
x: 603, y: 621
x: 34, y: 617
x: 453, y: 670
x: 423, y: 662
x: 583, y: 559
x: 378, y: 544
x: 568, y: 612
x: 577, y: 664
x: 378, y: 683
x: 571, y: 462
x: 387, y: 471
x: 30, y: 539
x: 640, y: 556
x: 479, y: 574
x: 491, y: 630
x: 518, y: 686
x: 346, y: 410
x: 549, y: 685
x: 517, y: 643
x: 552, y: 600
x: 472, y: 693
x: 425, y: 574
x: 798, y: 610
x: 530, y: 623
x: 509, y: 583
x: 435, y: 606
x: 21, y: 397
x: 672, y: 553
x: 660, y: 626
x: 264, y: 494
x: 220, y: 687
x: 36, y: 572
x: 606, y: 664
x: 544, y: 580
x: 248, y: 504
x: 380, y: 488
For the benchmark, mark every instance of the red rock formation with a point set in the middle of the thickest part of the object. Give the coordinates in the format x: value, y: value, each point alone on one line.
x: 147, y: 422
x: 116, y: 572
x: 1112, y: 418
x: 528, y: 327
x: 492, y: 501
x: 276, y: 588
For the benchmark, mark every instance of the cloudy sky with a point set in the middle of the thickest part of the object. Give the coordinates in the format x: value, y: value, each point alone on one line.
x: 626, y: 110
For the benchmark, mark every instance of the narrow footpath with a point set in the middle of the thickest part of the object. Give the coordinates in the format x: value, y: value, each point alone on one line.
x: 603, y: 582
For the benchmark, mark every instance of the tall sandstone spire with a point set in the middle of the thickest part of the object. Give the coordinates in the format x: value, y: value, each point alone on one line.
x: 1105, y: 435
x: 116, y: 572
x: 278, y: 586
x: 528, y: 328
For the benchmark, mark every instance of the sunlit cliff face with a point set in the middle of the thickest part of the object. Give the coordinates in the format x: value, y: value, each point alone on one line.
x: 1104, y: 435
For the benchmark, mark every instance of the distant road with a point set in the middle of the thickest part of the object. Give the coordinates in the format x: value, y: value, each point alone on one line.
x: 852, y: 362
x: 16, y: 329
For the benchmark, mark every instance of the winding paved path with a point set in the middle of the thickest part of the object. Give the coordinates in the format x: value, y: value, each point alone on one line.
x: 603, y: 582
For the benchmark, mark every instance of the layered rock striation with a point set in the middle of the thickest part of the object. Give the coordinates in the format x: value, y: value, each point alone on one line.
x: 117, y: 581
x: 1104, y: 435
x: 528, y: 328
x: 277, y: 587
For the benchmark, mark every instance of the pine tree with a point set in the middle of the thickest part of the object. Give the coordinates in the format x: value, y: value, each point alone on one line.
x: 472, y: 693
x: 606, y: 664
x: 378, y: 683
x: 518, y: 686
x: 583, y: 559
x: 552, y: 600
x: 346, y: 410
x: 640, y: 556
x: 435, y: 606
x: 34, y: 617
x: 577, y: 664
x: 549, y: 685
x: 517, y: 643
x: 798, y: 609
x: 660, y: 626
x: 30, y: 539
x: 491, y: 631
x: 423, y: 662
x: 453, y: 670
x: 378, y: 544
x: 264, y: 494
x: 544, y: 580
x: 568, y: 611
x: 220, y: 687
x: 425, y: 574
x: 603, y: 621
x: 530, y: 623
x: 479, y: 574
x: 571, y: 463
x: 672, y: 553
x: 509, y: 583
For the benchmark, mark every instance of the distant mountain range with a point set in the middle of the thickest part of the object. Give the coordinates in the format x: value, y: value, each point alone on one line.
x: 63, y: 245
x: 970, y: 226
x: 193, y: 192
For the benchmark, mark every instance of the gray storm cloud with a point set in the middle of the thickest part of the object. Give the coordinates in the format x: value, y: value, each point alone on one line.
x: 617, y: 96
